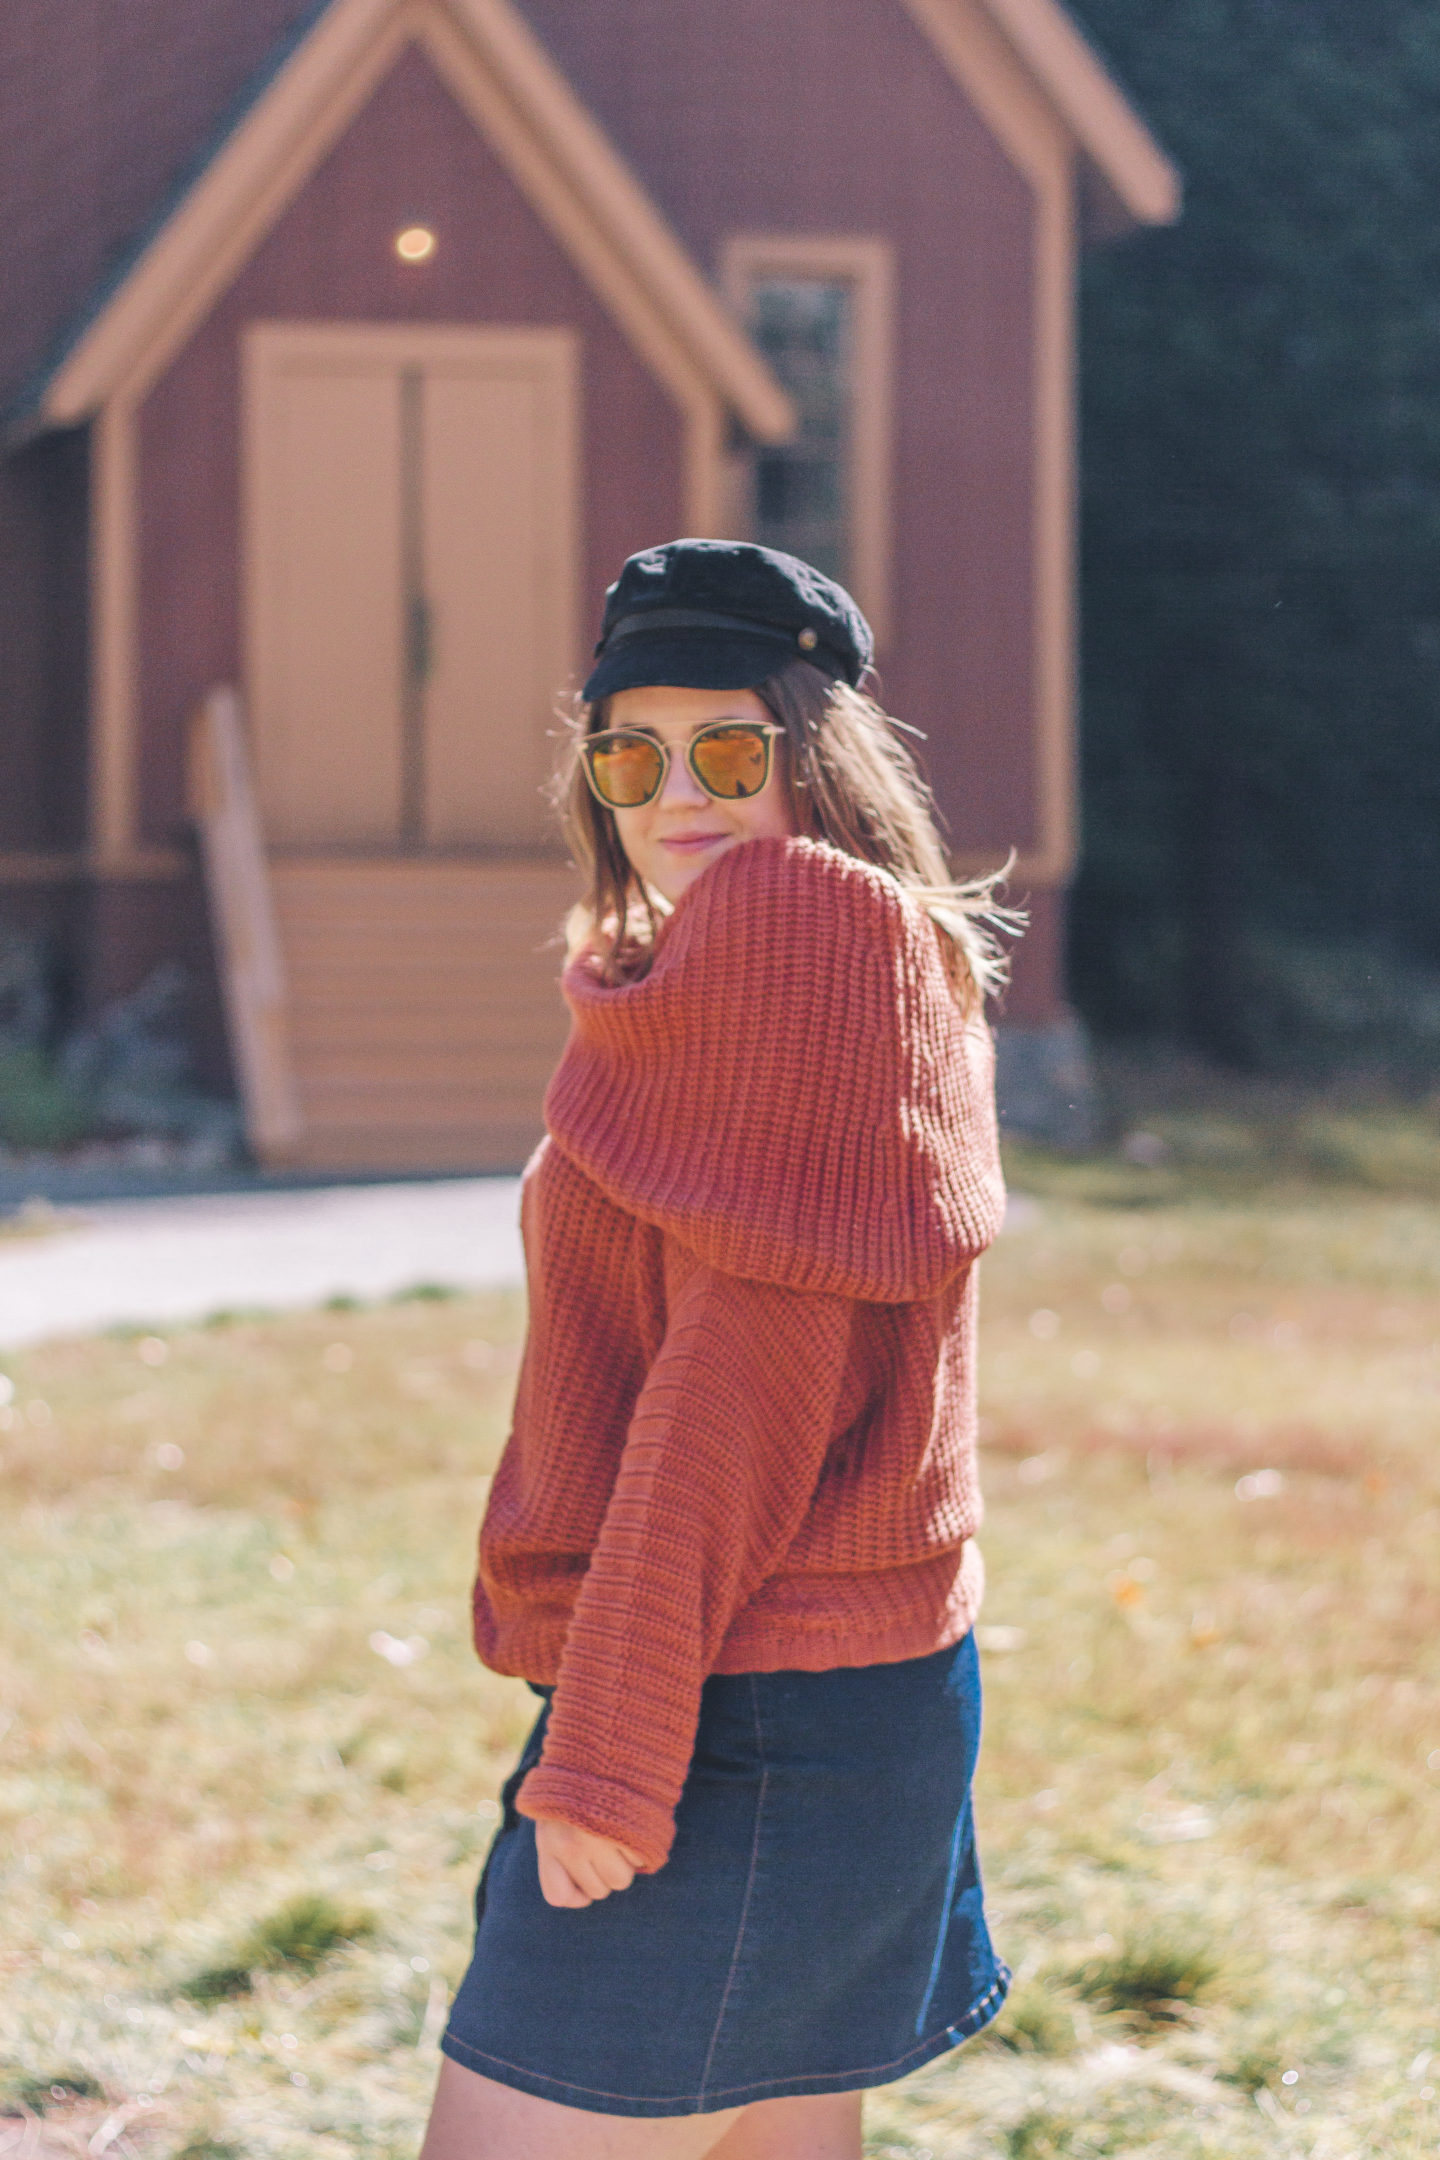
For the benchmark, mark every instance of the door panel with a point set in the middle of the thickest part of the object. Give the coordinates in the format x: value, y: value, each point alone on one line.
x: 411, y: 542
x: 325, y: 451
x: 485, y: 698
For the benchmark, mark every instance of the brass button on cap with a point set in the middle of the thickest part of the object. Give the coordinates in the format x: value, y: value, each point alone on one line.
x: 807, y: 640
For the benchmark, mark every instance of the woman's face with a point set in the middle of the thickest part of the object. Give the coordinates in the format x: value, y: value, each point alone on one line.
x: 671, y: 840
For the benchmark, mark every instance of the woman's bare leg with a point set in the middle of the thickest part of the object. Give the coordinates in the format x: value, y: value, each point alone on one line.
x: 474, y: 2118
x: 825, y: 2127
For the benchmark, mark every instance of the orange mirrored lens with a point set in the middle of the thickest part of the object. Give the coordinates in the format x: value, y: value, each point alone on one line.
x: 626, y: 769
x: 731, y: 761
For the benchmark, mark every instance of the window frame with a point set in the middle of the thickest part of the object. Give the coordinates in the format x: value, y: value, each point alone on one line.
x: 867, y: 266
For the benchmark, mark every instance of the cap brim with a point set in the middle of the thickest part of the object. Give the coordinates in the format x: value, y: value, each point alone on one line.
x: 692, y: 659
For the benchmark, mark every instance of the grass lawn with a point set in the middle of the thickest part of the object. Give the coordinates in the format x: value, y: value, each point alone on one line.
x: 247, y: 1763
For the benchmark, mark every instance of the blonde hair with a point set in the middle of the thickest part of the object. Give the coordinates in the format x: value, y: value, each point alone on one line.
x: 854, y: 784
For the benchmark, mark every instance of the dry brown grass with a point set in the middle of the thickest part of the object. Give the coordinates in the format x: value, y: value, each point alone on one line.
x: 1211, y: 1788
x: 1213, y: 1699
x: 266, y: 1413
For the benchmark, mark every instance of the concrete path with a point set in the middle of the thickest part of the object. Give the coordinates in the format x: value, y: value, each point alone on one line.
x: 129, y: 1262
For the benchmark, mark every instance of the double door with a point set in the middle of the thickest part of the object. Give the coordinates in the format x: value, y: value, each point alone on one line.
x: 410, y: 545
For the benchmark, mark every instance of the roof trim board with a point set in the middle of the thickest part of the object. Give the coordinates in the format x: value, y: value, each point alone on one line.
x: 1039, y: 40
x: 1105, y: 124
x: 563, y: 163
x: 216, y: 224
x: 602, y: 179
x: 611, y: 273
x: 325, y: 76
x: 618, y: 242
x: 1034, y: 136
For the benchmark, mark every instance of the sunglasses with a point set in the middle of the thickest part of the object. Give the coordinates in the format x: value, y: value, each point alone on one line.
x: 730, y: 759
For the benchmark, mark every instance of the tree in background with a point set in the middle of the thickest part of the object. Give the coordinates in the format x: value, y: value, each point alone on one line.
x: 1261, y: 542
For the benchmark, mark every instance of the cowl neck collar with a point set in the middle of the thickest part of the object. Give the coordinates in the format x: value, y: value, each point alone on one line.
x: 791, y: 1091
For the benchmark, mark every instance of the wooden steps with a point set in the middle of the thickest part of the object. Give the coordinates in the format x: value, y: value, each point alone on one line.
x: 423, y: 1010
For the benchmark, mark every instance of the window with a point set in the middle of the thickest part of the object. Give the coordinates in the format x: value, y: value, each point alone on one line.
x: 820, y: 312
x: 802, y: 488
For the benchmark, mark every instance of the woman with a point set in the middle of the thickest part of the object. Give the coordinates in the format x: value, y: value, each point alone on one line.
x: 730, y: 1537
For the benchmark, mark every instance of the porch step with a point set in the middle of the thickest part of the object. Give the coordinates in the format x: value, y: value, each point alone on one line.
x: 423, y: 1008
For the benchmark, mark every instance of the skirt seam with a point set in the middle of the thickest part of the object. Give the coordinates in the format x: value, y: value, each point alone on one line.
x: 964, y: 1829
x: 749, y: 1887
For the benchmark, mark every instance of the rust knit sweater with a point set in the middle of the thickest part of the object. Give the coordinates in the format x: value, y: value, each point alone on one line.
x: 744, y: 1429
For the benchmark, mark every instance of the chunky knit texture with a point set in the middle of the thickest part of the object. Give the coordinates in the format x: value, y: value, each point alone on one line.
x: 744, y: 1428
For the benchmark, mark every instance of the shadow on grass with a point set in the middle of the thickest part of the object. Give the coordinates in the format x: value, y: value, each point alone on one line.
x: 21, y: 2095
x: 298, y: 1937
x: 1154, y: 1977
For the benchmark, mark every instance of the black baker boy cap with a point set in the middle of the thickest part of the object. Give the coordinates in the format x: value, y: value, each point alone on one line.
x: 722, y: 615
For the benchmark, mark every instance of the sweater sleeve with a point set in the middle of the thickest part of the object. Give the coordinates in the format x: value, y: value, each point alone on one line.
x: 727, y: 1441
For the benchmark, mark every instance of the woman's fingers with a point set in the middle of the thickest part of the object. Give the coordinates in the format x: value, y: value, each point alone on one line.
x: 590, y: 1867
x: 557, y: 1886
x: 611, y: 1864
x: 587, y: 1879
x: 578, y: 1867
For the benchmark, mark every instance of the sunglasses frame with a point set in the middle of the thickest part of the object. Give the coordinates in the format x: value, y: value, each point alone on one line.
x: 768, y: 729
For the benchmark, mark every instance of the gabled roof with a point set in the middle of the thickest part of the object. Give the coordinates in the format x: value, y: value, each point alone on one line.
x: 560, y: 157
x: 1132, y: 180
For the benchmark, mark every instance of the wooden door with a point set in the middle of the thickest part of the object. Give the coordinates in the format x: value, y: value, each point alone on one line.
x: 410, y: 551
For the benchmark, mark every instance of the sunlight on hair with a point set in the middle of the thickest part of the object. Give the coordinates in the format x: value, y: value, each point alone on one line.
x: 856, y: 785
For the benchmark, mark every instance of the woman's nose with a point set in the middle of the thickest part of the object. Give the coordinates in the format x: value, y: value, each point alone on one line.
x: 681, y: 787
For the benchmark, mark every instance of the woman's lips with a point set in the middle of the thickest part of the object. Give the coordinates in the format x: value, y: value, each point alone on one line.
x: 690, y: 843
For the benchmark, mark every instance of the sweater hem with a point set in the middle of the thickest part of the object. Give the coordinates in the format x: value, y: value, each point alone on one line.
x: 835, y: 1648
x: 926, y: 1615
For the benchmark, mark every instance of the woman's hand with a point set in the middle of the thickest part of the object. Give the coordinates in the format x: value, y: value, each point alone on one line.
x: 577, y: 1867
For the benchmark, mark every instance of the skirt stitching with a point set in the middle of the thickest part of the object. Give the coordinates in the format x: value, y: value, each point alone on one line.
x: 749, y: 1886
x: 938, y: 1961
x: 731, y: 2004
x: 740, y: 2095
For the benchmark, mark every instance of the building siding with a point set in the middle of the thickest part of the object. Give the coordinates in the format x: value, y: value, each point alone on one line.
x: 103, y: 110
x: 839, y: 117
x: 826, y: 116
x: 410, y: 156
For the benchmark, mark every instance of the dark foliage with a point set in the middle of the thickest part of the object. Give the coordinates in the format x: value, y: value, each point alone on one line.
x: 1261, y: 535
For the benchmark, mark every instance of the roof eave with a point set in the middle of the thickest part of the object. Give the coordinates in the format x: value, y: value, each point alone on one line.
x: 104, y: 343
x: 1131, y: 182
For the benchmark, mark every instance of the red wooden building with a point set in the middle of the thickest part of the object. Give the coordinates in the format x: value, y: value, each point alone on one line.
x: 348, y: 351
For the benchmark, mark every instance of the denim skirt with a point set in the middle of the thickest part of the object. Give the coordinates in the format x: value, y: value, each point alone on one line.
x: 818, y: 1927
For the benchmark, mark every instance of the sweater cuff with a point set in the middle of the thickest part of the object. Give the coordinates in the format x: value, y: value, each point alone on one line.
x: 599, y: 1804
